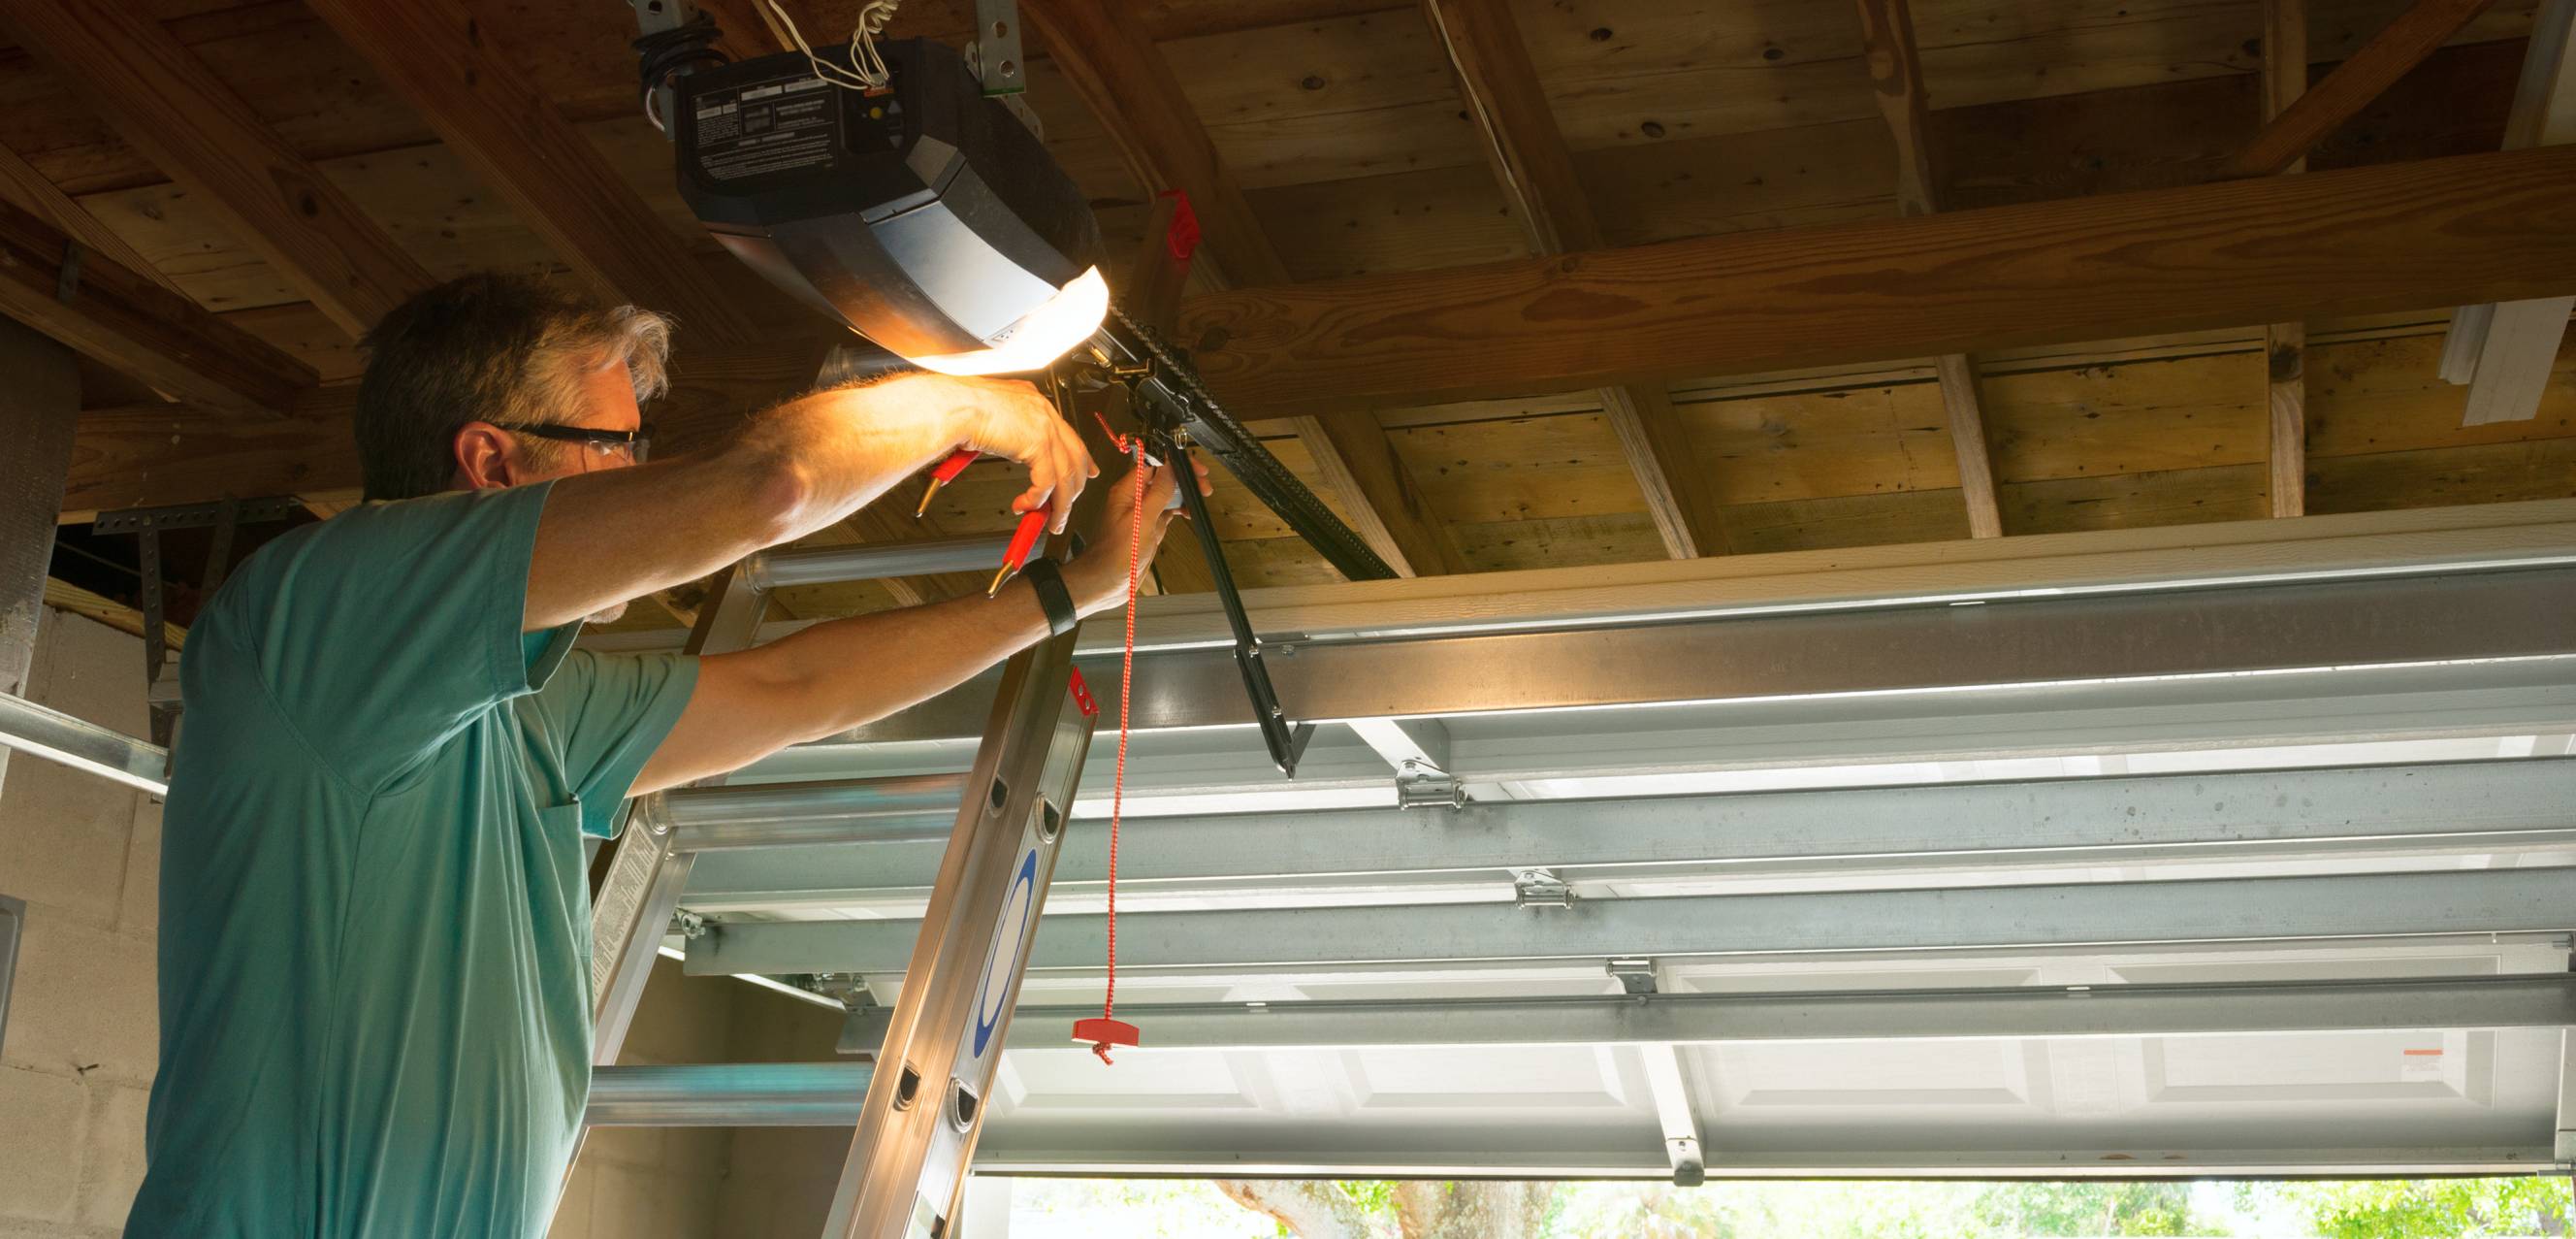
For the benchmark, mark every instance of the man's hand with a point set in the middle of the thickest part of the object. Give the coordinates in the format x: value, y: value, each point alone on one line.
x: 842, y: 673
x: 1009, y: 418
x: 1097, y: 578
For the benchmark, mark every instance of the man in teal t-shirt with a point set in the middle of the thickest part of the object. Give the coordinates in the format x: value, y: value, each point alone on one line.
x: 375, y: 933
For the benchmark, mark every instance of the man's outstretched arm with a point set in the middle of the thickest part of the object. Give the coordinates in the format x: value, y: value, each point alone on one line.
x: 612, y: 536
x: 837, y: 675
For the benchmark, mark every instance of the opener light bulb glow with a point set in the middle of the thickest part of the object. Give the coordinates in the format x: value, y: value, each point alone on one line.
x: 1066, y: 319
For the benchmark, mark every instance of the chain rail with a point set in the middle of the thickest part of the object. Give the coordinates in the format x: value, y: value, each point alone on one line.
x: 1176, y: 385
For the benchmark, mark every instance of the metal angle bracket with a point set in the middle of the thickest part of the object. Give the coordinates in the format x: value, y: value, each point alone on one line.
x: 995, y: 51
x: 1418, y: 786
x: 160, y: 680
x: 1636, y: 977
x: 1541, y: 888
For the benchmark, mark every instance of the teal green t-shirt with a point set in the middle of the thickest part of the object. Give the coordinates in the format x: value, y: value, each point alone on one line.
x: 375, y: 933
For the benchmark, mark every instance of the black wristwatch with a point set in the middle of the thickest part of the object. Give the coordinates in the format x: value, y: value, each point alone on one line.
x: 1046, y: 579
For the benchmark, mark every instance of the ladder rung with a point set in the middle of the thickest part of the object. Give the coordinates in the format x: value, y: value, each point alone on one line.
x: 824, y: 565
x: 728, y: 1095
x: 905, y: 808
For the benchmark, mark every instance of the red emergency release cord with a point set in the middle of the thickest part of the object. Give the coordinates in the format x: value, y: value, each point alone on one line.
x: 1107, y: 1031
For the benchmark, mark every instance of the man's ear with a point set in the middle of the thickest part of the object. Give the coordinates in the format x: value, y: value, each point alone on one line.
x: 484, y: 460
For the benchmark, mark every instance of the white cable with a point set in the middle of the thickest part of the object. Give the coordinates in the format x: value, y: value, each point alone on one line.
x: 873, y: 17
x: 869, y: 71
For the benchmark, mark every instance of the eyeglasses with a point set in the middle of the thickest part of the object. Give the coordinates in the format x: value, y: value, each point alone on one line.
x: 631, y: 444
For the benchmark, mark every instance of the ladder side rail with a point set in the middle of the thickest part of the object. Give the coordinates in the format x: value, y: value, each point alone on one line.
x: 907, y: 1166
x: 642, y: 887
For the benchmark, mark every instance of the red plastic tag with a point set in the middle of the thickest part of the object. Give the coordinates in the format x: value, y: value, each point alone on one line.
x: 1183, y: 236
x: 1082, y: 698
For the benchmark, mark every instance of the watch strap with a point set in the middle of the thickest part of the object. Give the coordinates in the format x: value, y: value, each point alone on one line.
x: 1046, y: 579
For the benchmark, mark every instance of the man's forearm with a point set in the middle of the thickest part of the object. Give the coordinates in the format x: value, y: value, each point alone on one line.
x: 863, y: 668
x: 611, y: 536
x: 835, y: 676
x: 844, y: 673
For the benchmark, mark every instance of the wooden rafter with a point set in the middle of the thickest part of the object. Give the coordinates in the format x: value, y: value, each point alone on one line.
x: 1536, y: 172
x: 2285, y: 345
x: 2401, y: 45
x: 505, y: 129
x: 167, y: 105
x: 1111, y: 62
x: 128, y: 322
x: 1896, y: 74
x: 22, y: 185
x: 2437, y: 232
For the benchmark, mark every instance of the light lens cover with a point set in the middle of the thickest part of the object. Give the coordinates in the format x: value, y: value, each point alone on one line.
x: 1066, y: 319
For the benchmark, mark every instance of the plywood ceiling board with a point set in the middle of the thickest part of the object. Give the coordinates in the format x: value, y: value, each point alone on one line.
x: 2143, y: 417
x: 1847, y: 521
x: 2444, y: 476
x: 1325, y: 101
x: 2130, y: 500
x: 1403, y: 221
x: 1523, y: 468
x: 1781, y: 178
x: 2384, y: 396
x: 1823, y: 445
x: 1561, y: 542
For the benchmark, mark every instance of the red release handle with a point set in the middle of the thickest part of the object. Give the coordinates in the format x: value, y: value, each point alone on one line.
x: 1103, y: 1032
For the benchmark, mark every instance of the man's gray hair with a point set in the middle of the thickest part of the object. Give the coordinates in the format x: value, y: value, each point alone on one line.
x: 489, y: 347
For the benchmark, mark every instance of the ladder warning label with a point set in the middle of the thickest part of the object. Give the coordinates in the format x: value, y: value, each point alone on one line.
x: 771, y: 126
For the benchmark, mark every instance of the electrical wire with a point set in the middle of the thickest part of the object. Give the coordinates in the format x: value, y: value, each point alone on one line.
x: 867, y: 70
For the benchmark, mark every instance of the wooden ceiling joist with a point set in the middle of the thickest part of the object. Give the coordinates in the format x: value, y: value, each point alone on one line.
x: 2400, y: 46
x: 1536, y: 172
x: 2285, y: 345
x: 130, y: 323
x: 22, y: 185
x: 167, y: 105
x: 2365, y: 240
x: 1896, y: 70
x: 448, y: 68
x: 1108, y: 59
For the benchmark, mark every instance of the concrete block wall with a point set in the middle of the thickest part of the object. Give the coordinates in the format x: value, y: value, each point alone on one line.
x: 681, y: 1183
x: 651, y: 1182
x: 781, y: 1179
x: 77, y: 1056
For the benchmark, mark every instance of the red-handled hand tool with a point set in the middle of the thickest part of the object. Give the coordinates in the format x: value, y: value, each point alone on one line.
x: 1024, y: 539
x: 946, y: 472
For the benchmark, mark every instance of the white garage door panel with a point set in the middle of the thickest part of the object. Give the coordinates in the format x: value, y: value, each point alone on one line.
x: 2096, y: 1104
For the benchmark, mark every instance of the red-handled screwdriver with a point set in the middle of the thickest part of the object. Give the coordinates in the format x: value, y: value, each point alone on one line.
x: 946, y: 472
x: 1024, y: 539
x: 1032, y: 527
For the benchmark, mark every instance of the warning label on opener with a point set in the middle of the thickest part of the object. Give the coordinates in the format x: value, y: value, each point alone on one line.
x: 771, y: 126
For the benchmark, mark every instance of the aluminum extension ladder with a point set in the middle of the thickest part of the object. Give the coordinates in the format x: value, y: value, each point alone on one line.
x: 906, y: 1172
